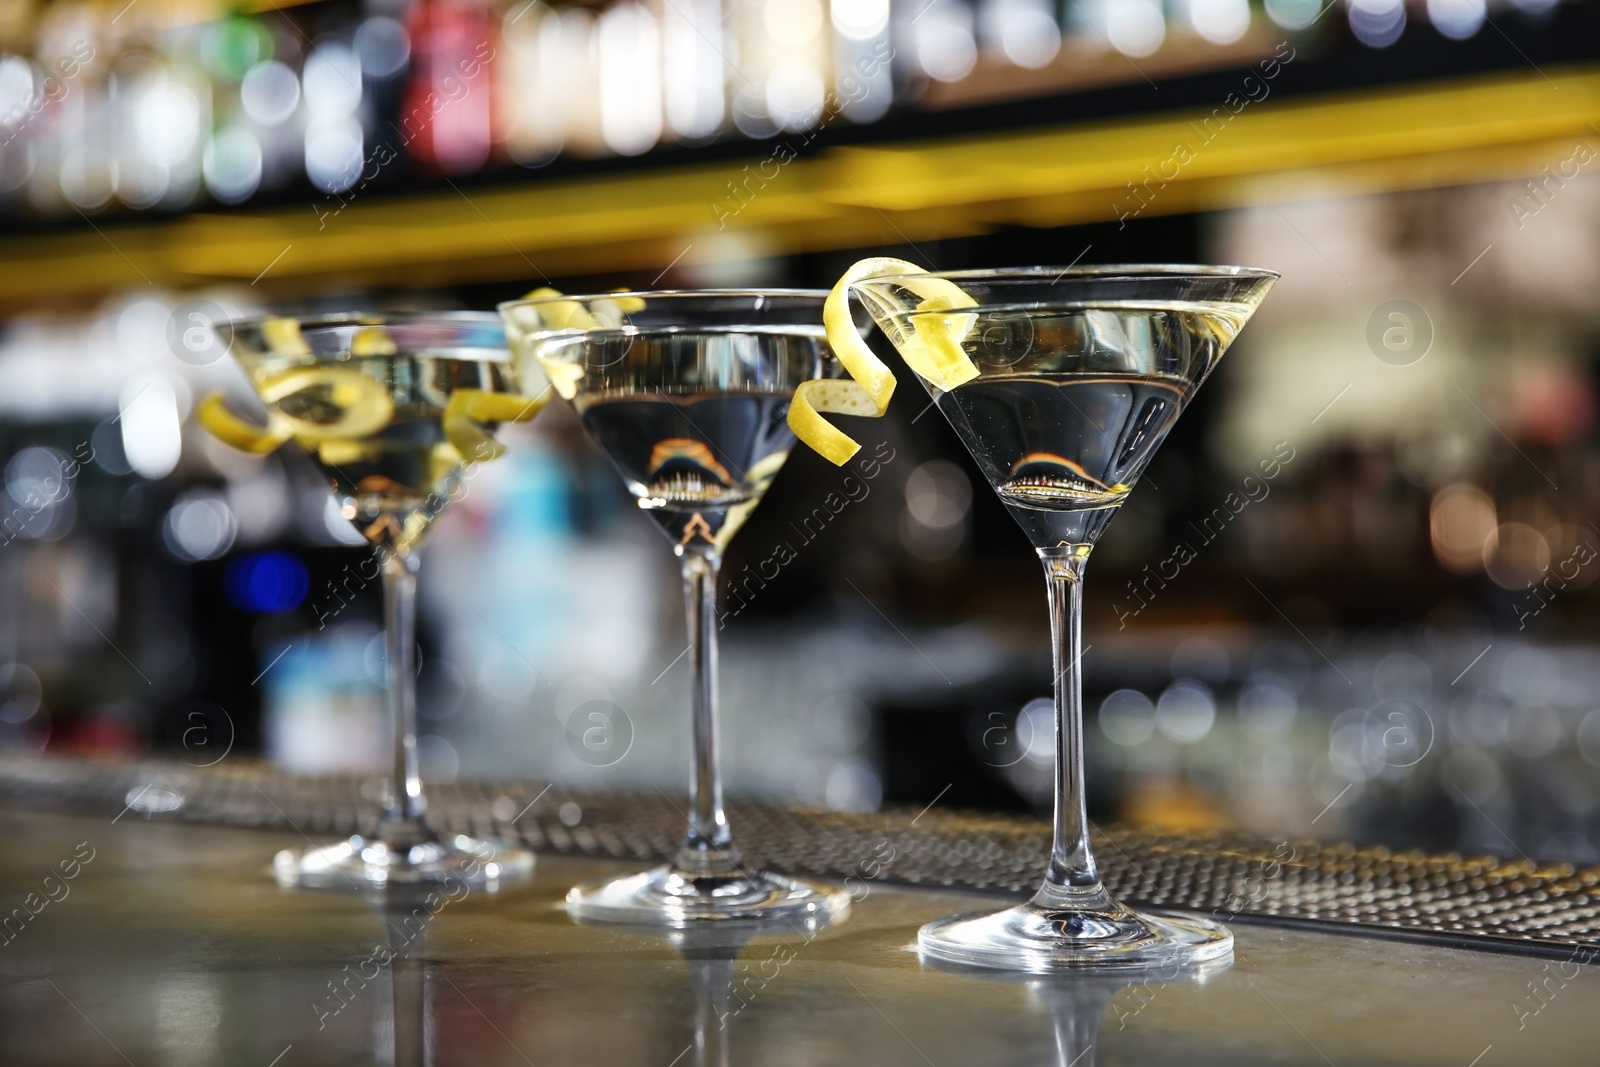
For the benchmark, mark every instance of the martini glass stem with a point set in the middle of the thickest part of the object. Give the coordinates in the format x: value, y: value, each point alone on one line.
x: 708, y: 848
x: 1073, y: 879
x: 403, y: 821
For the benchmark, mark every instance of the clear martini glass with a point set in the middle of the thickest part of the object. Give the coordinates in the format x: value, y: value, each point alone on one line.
x: 397, y: 411
x: 687, y: 393
x: 1076, y: 377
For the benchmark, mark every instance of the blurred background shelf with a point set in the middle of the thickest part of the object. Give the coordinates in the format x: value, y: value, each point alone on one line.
x: 842, y: 197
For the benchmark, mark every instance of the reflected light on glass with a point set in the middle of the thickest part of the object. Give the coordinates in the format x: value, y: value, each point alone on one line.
x: 1127, y: 717
x: 199, y: 526
x: 333, y: 153
x: 938, y: 497
x: 16, y: 86
x: 438, y: 759
x: 86, y: 177
x: 141, y: 181
x: 938, y: 493
x: 383, y: 47
x: 333, y: 520
x: 1461, y: 520
x: 36, y: 477
x: 1185, y: 712
x: 1036, y: 728
x: 945, y: 48
x: 167, y: 120
x: 16, y: 83
x: 1377, y: 23
x: 270, y: 92
x: 1267, y: 708
x: 1351, y: 748
x: 1135, y: 27
x: 1024, y: 31
x: 1221, y: 21
x: 1404, y: 676
x: 1530, y: 674
x: 1293, y: 14
x: 1516, y: 556
x: 231, y: 165
x: 152, y: 435
x: 692, y: 67
x: 38, y: 503
x: 794, y: 96
x: 1457, y: 19
x: 1589, y: 737
x: 20, y: 693
x: 1478, y: 718
x: 792, y: 23
x: 1535, y: 731
x: 630, y: 79
x: 859, y: 20
x: 332, y: 79
x: 141, y: 329
x: 853, y: 785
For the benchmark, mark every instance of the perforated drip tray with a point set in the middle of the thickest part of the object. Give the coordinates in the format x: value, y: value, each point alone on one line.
x: 1484, y: 902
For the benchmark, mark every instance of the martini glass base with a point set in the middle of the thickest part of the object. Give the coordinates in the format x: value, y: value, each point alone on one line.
x: 667, y: 897
x: 1036, y: 940
x: 364, y: 863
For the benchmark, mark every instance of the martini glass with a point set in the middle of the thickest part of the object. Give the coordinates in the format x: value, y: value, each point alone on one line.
x: 1079, y: 375
x: 396, y: 411
x: 687, y: 394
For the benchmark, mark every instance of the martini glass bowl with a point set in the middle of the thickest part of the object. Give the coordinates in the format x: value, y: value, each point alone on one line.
x: 396, y: 411
x: 687, y: 394
x: 1076, y: 377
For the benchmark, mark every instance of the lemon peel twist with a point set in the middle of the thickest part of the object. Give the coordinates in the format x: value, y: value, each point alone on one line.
x: 235, y: 432
x: 572, y: 315
x: 467, y: 411
x: 364, y: 407
x: 930, y: 345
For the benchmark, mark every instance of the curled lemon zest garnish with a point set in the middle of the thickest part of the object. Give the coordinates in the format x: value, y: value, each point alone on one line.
x: 629, y: 304
x: 604, y: 314
x: 340, y: 451
x: 283, y: 337
x: 231, y: 430
x: 560, y: 314
x: 372, y: 341
x: 930, y: 345
x: 467, y: 411
x: 363, y: 404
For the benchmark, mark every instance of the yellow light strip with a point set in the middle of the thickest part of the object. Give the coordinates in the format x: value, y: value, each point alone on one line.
x: 848, y: 197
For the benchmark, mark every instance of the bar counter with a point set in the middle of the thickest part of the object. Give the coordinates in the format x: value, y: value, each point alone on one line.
x: 157, y: 941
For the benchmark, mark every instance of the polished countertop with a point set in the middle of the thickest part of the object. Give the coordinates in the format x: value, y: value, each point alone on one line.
x: 170, y: 944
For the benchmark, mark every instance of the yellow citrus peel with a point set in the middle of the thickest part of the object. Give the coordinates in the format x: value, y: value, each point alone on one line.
x: 572, y: 315
x: 283, y: 337
x: 469, y: 409
x: 231, y: 430
x: 372, y: 341
x: 364, y: 407
x: 930, y: 345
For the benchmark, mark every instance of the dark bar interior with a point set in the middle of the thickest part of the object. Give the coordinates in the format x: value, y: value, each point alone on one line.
x: 351, y: 711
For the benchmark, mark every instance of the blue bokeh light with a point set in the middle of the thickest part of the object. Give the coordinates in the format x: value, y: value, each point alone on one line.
x: 269, y: 582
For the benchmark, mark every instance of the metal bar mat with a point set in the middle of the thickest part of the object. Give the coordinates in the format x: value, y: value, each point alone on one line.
x: 1481, y: 901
